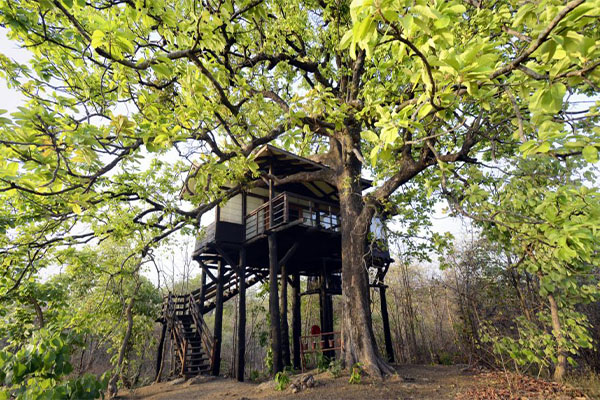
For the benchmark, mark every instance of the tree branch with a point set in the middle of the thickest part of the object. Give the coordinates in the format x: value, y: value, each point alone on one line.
x: 539, y: 41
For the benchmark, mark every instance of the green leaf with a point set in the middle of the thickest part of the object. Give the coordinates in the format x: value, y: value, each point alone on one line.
x: 458, y: 9
x: 76, y: 209
x: 346, y: 40
x: 369, y: 136
x: 543, y: 148
x: 11, y: 170
x: 162, y: 70
x: 590, y: 153
x: 97, y: 38
x: 426, y: 11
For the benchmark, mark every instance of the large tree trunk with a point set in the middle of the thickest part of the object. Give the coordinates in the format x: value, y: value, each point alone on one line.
x: 561, y: 365
x: 359, y: 343
x: 112, y: 383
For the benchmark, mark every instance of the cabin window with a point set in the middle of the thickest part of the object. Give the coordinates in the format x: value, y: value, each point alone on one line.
x: 329, y: 221
x: 232, y: 210
x: 310, y: 218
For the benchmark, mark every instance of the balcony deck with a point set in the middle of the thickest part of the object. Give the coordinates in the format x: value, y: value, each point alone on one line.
x: 313, y: 225
x: 289, y: 210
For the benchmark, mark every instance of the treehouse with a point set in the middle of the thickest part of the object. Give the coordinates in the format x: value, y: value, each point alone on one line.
x: 276, y: 232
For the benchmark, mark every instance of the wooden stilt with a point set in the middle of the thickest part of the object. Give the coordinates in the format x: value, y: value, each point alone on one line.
x: 296, y: 319
x: 274, y: 304
x: 389, y: 349
x: 321, y: 305
x: 283, y: 307
x: 202, y: 294
x: 241, y: 328
x: 218, y: 327
x: 326, y: 304
x: 159, y: 356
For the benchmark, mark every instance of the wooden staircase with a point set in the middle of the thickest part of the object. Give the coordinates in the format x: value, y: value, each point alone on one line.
x: 230, y: 288
x: 192, y: 339
x: 189, y: 334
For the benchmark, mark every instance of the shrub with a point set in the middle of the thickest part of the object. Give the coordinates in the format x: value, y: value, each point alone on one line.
x: 356, y: 374
x: 335, y: 368
x: 282, y: 380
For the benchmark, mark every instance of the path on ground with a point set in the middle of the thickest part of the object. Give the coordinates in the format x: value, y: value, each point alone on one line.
x: 414, y: 382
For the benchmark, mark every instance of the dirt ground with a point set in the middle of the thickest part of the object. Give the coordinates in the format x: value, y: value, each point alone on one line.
x: 411, y: 382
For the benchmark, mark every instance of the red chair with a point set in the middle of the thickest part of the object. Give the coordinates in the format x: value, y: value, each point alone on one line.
x: 315, y: 330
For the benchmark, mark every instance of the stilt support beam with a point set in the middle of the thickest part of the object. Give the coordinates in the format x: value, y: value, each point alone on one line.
x: 218, y: 331
x: 240, y: 359
x: 389, y: 349
x: 285, y: 330
x: 274, y: 304
x: 296, y: 320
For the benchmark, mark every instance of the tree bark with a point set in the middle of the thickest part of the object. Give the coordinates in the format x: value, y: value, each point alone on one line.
x: 359, y: 343
x: 38, y: 311
x: 561, y: 364
x: 112, y: 383
x: 274, y: 304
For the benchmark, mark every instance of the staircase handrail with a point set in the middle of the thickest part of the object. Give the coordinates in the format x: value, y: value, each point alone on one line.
x: 202, y: 328
x: 174, y: 328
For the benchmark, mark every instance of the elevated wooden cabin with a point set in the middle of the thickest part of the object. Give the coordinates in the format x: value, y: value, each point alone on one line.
x: 294, y: 226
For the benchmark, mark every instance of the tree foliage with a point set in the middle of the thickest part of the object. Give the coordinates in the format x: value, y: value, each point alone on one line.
x: 428, y: 96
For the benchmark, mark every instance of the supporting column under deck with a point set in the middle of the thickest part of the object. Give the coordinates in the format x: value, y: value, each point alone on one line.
x: 326, y: 305
x: 240, y: 360
x: 274, y: 304
x: 389, y: 349
x: 285, y: 331
x: 202, y: 293
x: 218, y: 327
x: 160, y: 356
x: 296, y: 319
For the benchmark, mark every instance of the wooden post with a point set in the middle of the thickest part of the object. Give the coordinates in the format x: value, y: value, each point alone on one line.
x: 202, y: 293
x: 218, y: 327
x: 274, y: 304
x: 160, y: 357
x: 389, y: 349
x: 326, y: 311
x: 322, y: 302
x: 241, y: 329
x: 326, y: 304
x: 296, y: 319
x: 285, y: 330
x: 270, y: 196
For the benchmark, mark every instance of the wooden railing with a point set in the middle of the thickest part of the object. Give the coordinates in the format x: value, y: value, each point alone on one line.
x: 287, y: 208
x: 174, y: 327
x: 319, y: 343
x: 259, y: 220
x: 207, y: 340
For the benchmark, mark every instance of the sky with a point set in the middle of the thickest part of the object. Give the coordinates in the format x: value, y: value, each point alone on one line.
x: 173, y: 260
